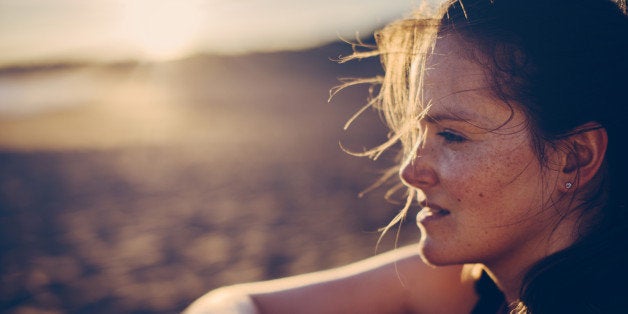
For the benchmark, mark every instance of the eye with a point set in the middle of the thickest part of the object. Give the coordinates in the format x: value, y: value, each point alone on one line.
x: 451, y: 137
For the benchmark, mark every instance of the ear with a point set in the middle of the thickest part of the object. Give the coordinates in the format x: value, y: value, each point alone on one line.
x: 584, y: 156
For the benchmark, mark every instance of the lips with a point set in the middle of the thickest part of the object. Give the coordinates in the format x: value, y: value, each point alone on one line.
x: 434, y: 208
x: 431, y: 211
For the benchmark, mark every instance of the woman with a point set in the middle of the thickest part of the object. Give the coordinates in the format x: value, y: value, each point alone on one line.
x: 510, y: 114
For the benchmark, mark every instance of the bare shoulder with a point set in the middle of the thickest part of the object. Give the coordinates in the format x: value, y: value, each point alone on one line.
x: 394, y: 282
x: 401, y: 281
x: 447, y: 289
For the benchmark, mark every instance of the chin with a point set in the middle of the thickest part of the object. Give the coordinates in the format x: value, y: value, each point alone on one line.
x: 436, y: 255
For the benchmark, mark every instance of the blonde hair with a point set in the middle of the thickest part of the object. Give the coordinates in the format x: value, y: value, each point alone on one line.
x: 403, y: 48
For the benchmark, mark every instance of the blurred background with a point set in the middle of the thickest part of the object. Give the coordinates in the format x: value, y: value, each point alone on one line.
x: 153, y: 150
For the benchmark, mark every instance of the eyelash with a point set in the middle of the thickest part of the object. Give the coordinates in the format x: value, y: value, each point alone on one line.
x: 451, y: 137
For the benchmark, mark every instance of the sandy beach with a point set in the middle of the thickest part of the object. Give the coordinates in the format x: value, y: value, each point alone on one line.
x: 146, y: 185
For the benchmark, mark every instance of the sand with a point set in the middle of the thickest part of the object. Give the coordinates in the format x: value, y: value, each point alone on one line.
x: 173, y: 179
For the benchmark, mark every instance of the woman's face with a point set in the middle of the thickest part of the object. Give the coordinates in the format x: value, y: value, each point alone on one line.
x: 486, y: 196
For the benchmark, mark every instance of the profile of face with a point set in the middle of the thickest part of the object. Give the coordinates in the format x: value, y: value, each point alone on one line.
x: 486, y: 197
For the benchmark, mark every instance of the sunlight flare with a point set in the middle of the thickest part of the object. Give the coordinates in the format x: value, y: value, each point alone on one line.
x: 161, y: 30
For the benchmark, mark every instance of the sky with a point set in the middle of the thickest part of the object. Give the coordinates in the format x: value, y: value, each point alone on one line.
x: 34, y: 31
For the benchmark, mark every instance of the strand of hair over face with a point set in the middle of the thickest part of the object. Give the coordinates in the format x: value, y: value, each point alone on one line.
x: 403, y: 48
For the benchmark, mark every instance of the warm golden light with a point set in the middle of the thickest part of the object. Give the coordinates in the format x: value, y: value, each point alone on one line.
x: 161, y: 30
x: 36, y: 31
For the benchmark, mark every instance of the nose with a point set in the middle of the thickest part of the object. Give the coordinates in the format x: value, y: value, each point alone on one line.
x: 418, y: 172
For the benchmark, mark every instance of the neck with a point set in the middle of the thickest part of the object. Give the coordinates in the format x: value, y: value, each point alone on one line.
x: 508, y: 283
x: 508, y: 272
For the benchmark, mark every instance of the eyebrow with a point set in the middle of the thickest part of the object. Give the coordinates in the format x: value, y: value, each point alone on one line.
x: 447, y: 117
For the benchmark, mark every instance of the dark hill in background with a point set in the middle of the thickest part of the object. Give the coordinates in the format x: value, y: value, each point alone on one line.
x: 203, y: 172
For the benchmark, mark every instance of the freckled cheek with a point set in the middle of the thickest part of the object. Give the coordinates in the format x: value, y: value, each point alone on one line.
x: 472, y: 180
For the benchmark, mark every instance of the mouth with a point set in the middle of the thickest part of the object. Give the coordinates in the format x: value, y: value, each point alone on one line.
x: 431, y: 211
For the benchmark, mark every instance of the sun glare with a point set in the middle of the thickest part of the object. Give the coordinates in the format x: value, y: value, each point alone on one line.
x: 161, y: 30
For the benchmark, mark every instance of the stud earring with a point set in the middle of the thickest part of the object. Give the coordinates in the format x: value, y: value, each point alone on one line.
x: 568, y: 185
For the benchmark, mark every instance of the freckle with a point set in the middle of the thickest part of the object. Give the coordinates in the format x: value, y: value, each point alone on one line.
x: 481, y: 195
x: 459, y: 200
